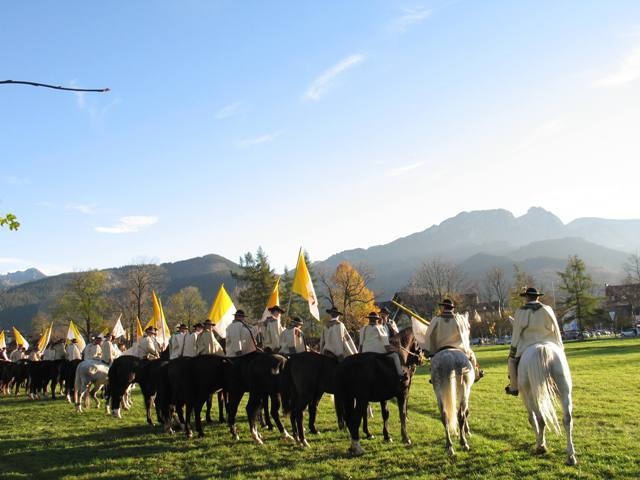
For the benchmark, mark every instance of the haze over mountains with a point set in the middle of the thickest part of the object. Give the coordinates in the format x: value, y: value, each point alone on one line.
x: 476, y: 241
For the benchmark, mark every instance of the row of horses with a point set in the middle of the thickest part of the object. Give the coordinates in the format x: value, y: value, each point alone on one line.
x: 182, y: 387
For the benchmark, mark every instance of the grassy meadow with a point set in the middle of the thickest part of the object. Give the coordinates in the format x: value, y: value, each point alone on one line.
x: 45, y: 439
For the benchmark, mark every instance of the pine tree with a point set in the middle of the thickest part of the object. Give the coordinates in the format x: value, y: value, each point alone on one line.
x: 578, y: 286
x: 257, y: 281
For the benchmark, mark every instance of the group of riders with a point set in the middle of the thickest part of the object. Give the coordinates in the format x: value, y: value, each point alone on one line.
x: 534, y: 322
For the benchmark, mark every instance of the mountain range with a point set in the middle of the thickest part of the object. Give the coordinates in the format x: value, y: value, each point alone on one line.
x: 538, y: 241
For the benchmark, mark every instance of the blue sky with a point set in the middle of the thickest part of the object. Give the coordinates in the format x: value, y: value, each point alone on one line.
x: 330, y: 125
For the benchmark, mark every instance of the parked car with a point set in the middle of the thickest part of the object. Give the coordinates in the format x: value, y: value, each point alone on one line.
x: 629, y: 332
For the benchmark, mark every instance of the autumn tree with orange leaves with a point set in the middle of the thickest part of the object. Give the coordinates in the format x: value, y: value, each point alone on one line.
x: 347, y: 289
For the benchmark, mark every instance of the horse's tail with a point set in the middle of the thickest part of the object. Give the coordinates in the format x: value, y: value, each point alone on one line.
x: 448, y: 396
x: 542, y: 394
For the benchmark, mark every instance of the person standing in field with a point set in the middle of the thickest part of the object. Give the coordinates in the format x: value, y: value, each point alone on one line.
x: 534, y: 322
x: 451, y: 330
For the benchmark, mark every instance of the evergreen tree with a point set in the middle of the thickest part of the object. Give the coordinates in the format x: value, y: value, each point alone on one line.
x: 257, y: 280
x: 578, y: 286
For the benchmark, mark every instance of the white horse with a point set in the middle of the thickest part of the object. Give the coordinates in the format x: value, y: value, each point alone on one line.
x: 89, y: 373
x: 452, y: 376
x: 543, y: 376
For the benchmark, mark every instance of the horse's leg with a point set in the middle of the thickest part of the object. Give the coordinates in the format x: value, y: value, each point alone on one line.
x: 253, y: 407
x: 275, y: 413
x: 198, y: 413
x: 148, y: 401
x: 463, y: 412
x: 265, y: 412
x: 187, y: 418
x: 384, y: 409
x: 221, y: 406
x: 209, y: 404
x: 365, y: 424
x: 445, y: 422
x: 403, y: 402
x: 232, y: 409
x: 313, y: 412
x: 353, y: 420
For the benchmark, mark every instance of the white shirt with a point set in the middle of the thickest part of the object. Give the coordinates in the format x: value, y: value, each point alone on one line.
x: 16, y: 355
x: 35, y: 356
x: 109, y: 352
x: 207, y: 344
x: 73, y: 352
x: 292, y: 341
x: 336, y: 339
x: 49, y: 354
x: 374, y: 338
x: 534, y: 323
x: 190, y: 344
x: 239, y: 340
x: 448, y: 330
x: 271, y: 333
x: 147, y: 348
x: 59, y: 353
x: 176, y: 345
x: 92, y: 351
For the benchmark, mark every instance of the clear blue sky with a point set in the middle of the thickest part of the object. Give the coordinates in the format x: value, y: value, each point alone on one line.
x: 326, y: 124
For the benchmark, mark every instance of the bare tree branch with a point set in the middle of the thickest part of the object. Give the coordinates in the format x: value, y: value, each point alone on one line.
x: 55, y: 87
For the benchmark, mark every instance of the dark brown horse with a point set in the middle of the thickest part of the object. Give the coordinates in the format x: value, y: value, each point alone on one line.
x: 371, y: 377
x: 256, y: 373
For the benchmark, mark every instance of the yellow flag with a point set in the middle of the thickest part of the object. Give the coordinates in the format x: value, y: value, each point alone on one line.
x: 20, y: 340
x: 73, y: 332
x: 221, y: 312
x: 139, y: 330
x: 163, y: 329
x: 3, y: 342
x: 303, y: 286
x: 274, y: 299
x: 44, y: 339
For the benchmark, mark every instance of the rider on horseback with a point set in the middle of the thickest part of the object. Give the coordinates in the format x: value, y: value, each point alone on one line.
x: 388, y: 323
x: 534, y: 322
x: 292, y: 339
x: 374, y: 338
x: 335, y: 340
x: 451, y: 330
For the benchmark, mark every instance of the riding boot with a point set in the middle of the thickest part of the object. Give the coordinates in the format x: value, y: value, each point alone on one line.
x: 479, y: 373
x: 512, y: 388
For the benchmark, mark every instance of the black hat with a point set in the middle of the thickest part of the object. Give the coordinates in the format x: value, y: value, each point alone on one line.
x: 198, y: 325
x: 385, y: 311
x: 333, y: 311
x: 447, y: 302
x: 276, y: 308
x: 296, y: 321
x: 207, y: 322
x: 373, y: 315
x: 531, y: 292
x: 151, y: 328
x: 239, y: 314
x: 181, y: 326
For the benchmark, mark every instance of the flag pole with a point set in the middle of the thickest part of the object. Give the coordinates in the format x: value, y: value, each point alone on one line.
x: 294, y: 276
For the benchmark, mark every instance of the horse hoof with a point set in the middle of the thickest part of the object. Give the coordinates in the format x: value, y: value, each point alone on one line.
x: 369, y: 436
x: 304, y: 444
x: 540, y: 450
x: 286, y: 437
x: 200, y: 434
x: 406, y: 441
x: 189, y: 434
x: 258, y: 440
x: 465, y: 448
x: 452, y: 454
x: 388, y: 439
x: 314, y: 431
x: 572, y: 460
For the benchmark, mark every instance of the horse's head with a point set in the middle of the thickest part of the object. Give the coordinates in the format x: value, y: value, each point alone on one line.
x: 408, y: 348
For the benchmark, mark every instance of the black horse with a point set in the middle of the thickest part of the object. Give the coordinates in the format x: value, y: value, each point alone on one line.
x: 44, y: 374
x: 191, y: 383
x: 127, y: 370
x: 256, y: 373
x: 68, y: 375
x: 372, y: 377
x: 305, y: 378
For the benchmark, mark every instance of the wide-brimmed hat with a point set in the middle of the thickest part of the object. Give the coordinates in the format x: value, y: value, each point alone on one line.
x: 276, y: 308
x: 333, y: 311
x: 373, y: 316
x: 151, y: 328
x: 239, y: 314
x: 296, y: 321
x: 531, y: 292
x: 447, y: 302
x: 385, y: 310
x: 207, y: 322
x: 181, y: 326
x: 198, y: 325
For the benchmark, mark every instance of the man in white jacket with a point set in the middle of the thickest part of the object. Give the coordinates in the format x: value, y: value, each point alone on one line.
x: 191, y: 341
x: 335, y: 339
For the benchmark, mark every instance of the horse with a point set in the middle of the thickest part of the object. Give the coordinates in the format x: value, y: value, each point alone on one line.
x: 68, y: 375
x: 305, y: 378
x: 44, y: 374
x: 452, y: 376
x: 191, y: 383
x: 89, y: 373
x: 256, y: 373
x: 20, y: 375
x: 372, y: 377
x: 543, y: 376
x: 127, y: 370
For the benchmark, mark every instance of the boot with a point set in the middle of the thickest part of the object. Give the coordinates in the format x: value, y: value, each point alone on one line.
x: 479, y: 373
x: 512, y: 388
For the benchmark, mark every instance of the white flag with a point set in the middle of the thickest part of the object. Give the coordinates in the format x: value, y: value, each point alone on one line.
x: 118, y: 330
x: 419, y: 332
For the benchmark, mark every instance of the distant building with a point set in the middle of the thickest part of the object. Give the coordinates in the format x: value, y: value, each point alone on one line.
x: 623, y: 302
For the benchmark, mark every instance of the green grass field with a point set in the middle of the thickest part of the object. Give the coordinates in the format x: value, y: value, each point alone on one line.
x: 44, y: 439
